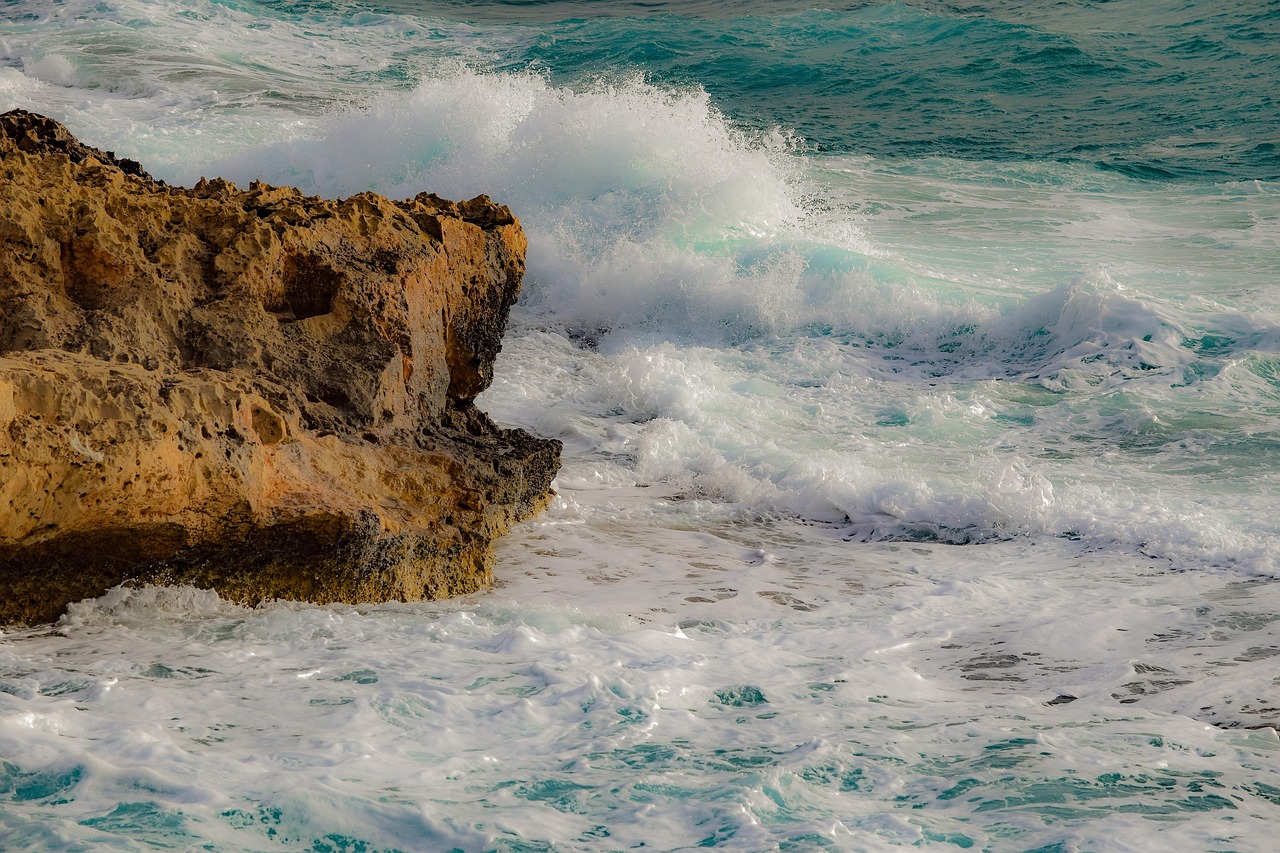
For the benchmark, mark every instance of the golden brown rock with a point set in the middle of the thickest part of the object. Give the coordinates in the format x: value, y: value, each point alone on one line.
x: 254, y: 391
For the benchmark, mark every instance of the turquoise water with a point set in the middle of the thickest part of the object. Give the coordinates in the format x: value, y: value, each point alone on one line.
x: 918, y: 369
x: 1155, y: 90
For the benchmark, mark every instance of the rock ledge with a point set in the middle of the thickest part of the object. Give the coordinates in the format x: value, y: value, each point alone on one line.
x: 258, y: 392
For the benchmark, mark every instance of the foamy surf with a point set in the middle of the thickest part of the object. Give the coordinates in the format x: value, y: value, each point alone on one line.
x: 741, y: 685
x: 919, y: 487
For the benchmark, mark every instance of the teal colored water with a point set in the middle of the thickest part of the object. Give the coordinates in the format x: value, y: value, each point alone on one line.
x: 1159, y: 89
x: 1165, y: 90
x: 918, y: 370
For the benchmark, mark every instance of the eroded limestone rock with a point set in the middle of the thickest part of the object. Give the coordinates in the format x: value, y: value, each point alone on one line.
x: 254, y: 391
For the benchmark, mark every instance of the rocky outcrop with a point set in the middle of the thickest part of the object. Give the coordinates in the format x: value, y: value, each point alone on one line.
x: 251, y: 390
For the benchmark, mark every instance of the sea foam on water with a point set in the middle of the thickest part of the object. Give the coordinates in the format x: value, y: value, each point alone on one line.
x: 912, y: 496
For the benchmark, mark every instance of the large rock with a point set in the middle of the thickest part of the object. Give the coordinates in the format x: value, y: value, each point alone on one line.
x: 254, y: 391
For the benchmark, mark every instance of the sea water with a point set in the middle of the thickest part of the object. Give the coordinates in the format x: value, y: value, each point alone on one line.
x: 918, y: 369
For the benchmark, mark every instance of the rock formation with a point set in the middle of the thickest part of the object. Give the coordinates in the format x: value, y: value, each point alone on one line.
x: 263, y: 393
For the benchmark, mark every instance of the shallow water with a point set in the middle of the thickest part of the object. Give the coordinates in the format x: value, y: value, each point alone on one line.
x: 750, y: 688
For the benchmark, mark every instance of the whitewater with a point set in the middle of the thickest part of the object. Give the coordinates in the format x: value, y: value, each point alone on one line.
x: 918, y: 371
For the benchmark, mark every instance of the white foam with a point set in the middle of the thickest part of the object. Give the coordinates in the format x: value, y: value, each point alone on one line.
x: 756, y: 349
x: 753, y: 682
x: 706, y: 638
x: 797, y: 432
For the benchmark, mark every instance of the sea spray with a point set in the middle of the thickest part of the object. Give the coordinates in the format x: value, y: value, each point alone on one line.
x: 813, y: 297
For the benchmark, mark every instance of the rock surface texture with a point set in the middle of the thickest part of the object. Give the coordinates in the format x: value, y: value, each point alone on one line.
x: 258, y: 392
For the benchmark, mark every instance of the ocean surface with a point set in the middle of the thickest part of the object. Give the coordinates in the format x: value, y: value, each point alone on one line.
x: 918, y: 369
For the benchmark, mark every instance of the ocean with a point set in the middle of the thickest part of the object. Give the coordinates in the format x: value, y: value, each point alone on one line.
x: 918, y: 370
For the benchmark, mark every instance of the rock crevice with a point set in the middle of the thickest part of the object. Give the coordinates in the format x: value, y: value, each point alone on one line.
x: 255, y: 391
